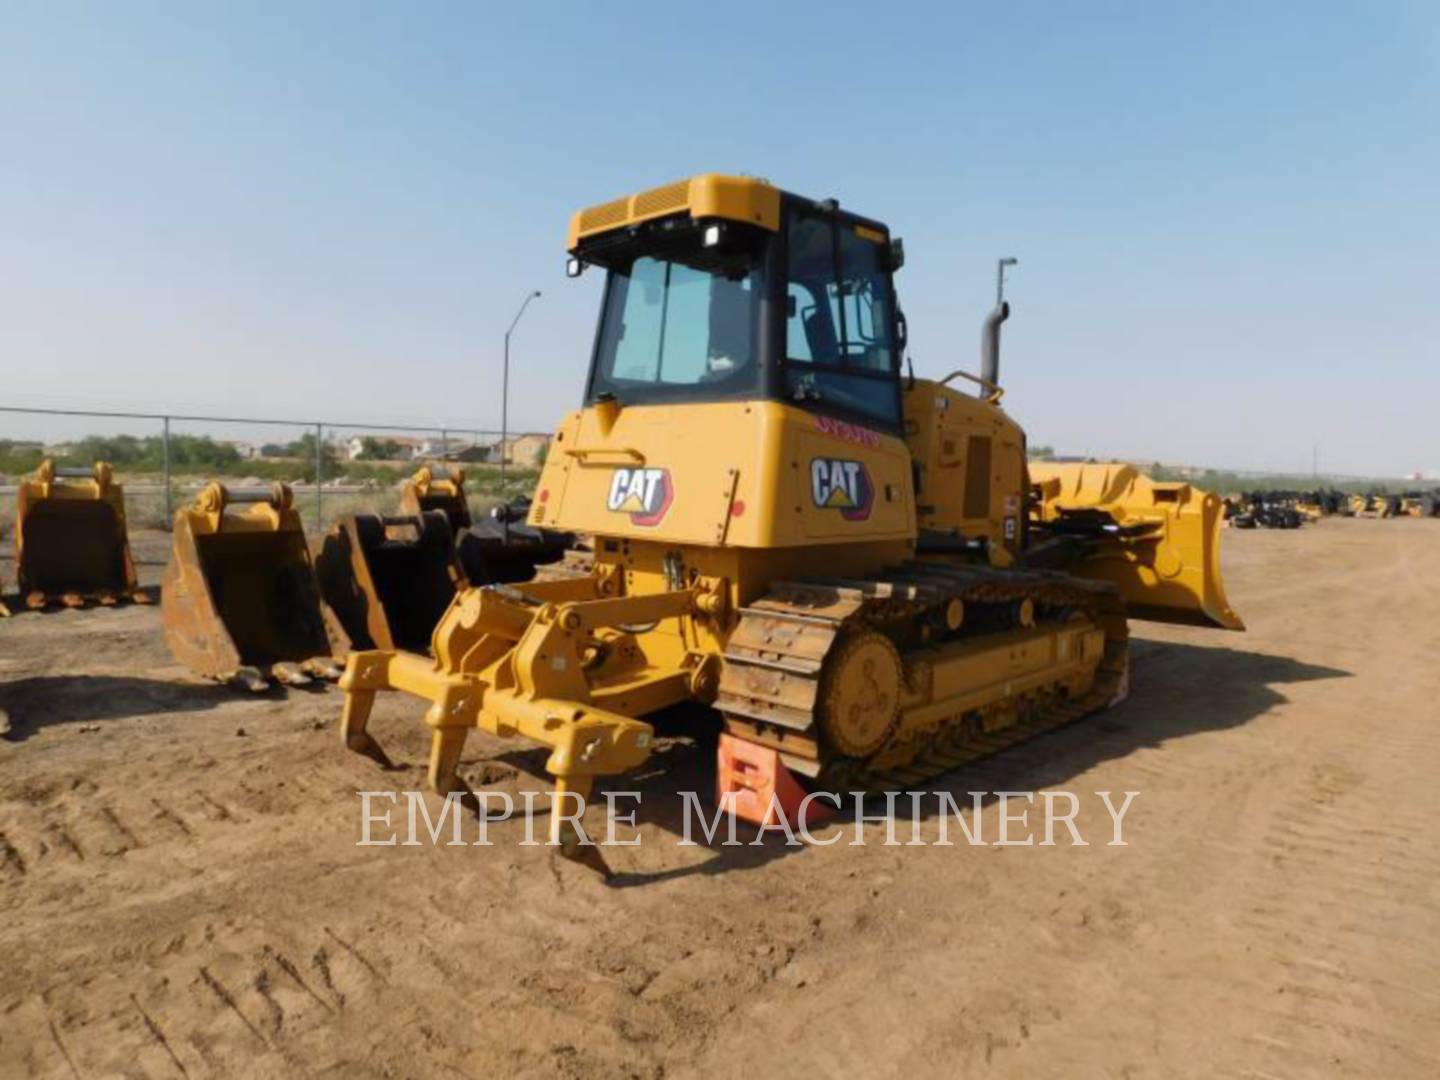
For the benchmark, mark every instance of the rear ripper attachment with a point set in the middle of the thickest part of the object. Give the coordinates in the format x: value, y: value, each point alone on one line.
x: 71, y: 544
x: 389, y: 579
x: 240, y: 599
x: 560, y: 662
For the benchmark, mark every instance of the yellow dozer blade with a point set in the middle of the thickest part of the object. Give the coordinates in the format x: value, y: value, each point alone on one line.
x: 240, y: 599
x: 424, y: 491
x: 71, y: 545
x: 389, y: 579
x: 1158, y: 542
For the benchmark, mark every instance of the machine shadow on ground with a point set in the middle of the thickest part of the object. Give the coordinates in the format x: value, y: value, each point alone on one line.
x: 1177, y: 690
x: 43, y: 701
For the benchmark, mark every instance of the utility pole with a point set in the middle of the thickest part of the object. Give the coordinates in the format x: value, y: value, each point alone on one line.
x: 505, y: 407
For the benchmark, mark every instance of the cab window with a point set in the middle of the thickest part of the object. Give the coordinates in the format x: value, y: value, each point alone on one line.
x: 670, y: 328
x: 839, y: 349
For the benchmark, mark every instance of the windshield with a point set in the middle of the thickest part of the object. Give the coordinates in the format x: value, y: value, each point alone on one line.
x: 671, y: 330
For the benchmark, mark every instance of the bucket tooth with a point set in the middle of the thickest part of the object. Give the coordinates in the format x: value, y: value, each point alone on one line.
x: 326, y: 668
x: 288, y: 673
x: 250, y: 678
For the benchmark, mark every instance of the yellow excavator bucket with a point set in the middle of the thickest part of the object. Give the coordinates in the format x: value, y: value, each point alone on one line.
x: 1158, y: 542
x: 389, y: 579
x: 71, y: 544
x: 424, y: 491
x: 240, y: 598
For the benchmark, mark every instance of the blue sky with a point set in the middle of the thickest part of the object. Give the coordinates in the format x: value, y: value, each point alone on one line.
x: 1226, y: 215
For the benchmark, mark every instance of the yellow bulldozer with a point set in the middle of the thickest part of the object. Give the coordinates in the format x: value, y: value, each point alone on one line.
x: 71, y: 542
x: 856, y: 568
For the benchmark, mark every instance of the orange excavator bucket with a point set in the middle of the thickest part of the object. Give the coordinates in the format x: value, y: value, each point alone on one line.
x: 71, y: 544
x: 240, y: 598
x: 389, y: 579
x: 1159, y: 542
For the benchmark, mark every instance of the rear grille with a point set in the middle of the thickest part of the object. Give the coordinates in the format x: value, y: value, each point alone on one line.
x: 604, y: 216
x: 663, y: 200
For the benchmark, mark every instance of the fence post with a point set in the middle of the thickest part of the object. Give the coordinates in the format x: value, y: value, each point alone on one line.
x: 165, y: 449
x: 319, y: 464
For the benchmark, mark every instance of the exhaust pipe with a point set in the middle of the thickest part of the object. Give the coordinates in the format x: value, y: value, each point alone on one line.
x: 990, y: 346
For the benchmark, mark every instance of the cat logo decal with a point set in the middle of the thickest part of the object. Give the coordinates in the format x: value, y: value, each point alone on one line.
x: 645, y: 494
x: 838, y: 484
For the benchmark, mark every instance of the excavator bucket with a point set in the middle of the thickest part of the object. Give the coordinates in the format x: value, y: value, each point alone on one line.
x: 500, y: 549
x: 240, y: 598
x: 389, y: 579
x: 423, y: 492
x: 1158, y: 542
x: 71, y: 545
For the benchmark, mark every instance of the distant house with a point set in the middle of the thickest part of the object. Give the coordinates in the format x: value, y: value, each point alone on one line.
x: 248, y: 450
x: 472, y: 453
x: 526, y: 450
x: 384, y: 447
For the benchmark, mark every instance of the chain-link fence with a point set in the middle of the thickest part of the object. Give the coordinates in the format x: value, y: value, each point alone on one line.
x: 334, y: 467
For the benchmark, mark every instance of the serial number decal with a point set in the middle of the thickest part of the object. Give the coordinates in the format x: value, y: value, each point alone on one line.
x: 853, y: 433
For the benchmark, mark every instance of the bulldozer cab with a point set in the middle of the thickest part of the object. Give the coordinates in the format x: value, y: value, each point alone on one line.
x: 71, y: 543
x: 780, y: 298
x: 240, y: 596
x: 389, y: 579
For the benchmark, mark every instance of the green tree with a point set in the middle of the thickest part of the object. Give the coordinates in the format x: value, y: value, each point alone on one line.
x: 303, y: 449
x: 373, y: 449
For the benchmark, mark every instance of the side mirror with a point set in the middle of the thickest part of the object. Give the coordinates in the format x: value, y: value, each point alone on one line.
x: 574, y: 267
x: 897, y: 253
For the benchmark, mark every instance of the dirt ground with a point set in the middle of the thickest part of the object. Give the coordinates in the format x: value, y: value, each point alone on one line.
x: 181, y: 893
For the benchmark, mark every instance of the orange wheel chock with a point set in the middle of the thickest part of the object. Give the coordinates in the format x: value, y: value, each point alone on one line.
x: 751, y: 779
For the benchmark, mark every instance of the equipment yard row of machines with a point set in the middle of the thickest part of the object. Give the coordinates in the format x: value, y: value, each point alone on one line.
x: 1291, y: 509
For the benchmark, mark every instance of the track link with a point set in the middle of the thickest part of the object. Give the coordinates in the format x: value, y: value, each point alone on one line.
x: 775, y: 662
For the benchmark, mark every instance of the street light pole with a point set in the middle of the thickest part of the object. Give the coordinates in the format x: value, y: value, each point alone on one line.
x: 505, y: 404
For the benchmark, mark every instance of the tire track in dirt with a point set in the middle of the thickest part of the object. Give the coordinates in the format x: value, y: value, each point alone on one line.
x: 1346, y: 909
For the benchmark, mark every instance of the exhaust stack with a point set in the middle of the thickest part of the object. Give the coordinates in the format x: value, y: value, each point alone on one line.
x: 990, y: 346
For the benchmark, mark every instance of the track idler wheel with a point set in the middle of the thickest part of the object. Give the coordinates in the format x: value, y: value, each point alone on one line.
x: 859, y: 704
